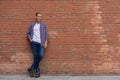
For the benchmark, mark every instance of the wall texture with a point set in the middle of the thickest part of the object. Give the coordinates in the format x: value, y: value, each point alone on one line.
x: 84, y: 36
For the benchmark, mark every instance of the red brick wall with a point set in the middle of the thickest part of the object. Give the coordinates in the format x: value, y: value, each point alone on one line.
x: 84, y: 36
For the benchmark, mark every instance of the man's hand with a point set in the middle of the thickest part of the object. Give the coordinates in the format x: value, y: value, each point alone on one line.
x: 30, y: 40
x: 45, y: 45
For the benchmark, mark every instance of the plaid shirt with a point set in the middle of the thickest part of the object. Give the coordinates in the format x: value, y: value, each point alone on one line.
x: 43, y: 32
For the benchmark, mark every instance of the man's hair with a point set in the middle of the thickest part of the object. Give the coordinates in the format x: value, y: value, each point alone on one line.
x: 37, y: 13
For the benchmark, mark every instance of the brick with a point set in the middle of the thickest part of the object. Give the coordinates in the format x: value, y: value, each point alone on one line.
x: 84, y: 36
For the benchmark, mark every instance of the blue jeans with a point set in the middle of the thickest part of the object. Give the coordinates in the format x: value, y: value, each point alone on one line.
x: 38, y: 53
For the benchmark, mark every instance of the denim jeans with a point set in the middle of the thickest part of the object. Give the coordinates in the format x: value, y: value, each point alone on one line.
x: 38, y: 53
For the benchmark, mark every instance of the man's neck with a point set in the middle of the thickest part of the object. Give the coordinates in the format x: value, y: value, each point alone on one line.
x: 38, y: 22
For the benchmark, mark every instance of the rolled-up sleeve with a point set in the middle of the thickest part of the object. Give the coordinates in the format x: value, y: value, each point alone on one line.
x: 46, y: 32
x: 29, y: 32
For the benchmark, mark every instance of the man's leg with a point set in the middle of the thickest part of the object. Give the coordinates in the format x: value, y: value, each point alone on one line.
x: 35, y: 51
x: 41, y: 53
x: 40, y: 57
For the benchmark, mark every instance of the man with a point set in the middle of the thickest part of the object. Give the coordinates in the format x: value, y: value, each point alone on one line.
x: 38, y: 37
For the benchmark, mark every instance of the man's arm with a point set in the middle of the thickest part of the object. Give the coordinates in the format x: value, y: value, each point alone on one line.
x: 28, y: 34
x: 46, y: 36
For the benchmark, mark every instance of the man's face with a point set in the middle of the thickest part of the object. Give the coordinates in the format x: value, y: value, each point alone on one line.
x: 38, y: 17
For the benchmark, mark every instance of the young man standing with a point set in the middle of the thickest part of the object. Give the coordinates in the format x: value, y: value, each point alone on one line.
x: 38, y: 37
